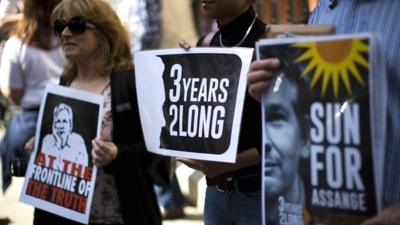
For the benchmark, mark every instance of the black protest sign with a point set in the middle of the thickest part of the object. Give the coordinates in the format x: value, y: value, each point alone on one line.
x: 321, y: 101
x: 199, y: 102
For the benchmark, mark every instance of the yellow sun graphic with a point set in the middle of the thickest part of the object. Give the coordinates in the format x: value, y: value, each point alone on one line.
x: 332, y: 61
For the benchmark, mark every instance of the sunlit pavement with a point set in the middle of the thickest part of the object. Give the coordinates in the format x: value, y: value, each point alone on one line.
x: 192, y: 183
x: 13, y: 212
x: 193, y: 217
x: 11, y: 209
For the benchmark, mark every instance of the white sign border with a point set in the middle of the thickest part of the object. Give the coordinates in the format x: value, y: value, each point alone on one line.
x: 45, y: 205
x: 143, y: 73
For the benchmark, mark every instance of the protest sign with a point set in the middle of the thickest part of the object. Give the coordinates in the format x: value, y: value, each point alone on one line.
x: 60, y: 177
x: 191, y: 102
x: 323, y: 130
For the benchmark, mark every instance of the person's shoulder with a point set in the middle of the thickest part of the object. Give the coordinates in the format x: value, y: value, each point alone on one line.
x: 17, y: 49
x: 13, y: 44
x: 13, y: 40
x: 207, y: 39
x: 11, y: 50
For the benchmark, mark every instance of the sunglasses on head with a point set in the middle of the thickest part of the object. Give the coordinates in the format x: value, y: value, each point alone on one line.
x: 76, y: 25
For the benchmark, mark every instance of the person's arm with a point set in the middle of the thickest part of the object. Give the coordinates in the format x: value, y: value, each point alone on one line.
x: 128, y: 137
x: 12, y: 78
x: 103, y: 152
x: 211, y: 169
x: 12, y: 94
x: 29, y: 145
x: 259, y: 76
x: 388, y: 216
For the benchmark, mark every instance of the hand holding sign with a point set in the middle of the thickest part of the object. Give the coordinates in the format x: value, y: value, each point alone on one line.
x: 103, y: 152
x: 390, y: 215
x: 60, y: 177
x: 183, y: 44
x: 260, y: 75
x: 331, y: 170
x: 29, y: 145
x: 191, y: 102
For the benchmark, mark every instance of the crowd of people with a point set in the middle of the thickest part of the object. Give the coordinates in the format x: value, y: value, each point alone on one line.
x: 58, y: 41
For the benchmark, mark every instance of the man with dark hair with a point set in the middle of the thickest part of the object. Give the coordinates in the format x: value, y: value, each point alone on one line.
x: 285, y: 118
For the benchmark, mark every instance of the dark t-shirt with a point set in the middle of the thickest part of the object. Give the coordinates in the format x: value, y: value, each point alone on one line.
x: 250, y: 131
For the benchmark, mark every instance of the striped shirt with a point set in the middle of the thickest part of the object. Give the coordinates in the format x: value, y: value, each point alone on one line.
x: 382, y: 17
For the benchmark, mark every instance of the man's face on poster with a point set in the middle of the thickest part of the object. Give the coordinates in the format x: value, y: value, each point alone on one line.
x: 284, y: 144
x: 62, y: 123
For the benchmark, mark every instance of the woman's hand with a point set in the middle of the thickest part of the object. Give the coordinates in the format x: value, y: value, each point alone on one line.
x: 260, y: 75
x: 103, y: 152
x: 13, y: 94
x: 183, y: 44
x: 29, y: 145
x: 388, y: 216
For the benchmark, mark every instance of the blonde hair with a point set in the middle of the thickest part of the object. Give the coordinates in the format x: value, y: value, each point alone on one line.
x: 34, y: 27
x: 113, y: 48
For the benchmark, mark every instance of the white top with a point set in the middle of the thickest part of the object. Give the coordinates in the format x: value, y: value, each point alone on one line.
x: 9, y: 7
x: 29, y: 68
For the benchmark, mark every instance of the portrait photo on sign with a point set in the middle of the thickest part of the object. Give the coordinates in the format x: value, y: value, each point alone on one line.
x: 323, y: 130
x: 63, y: 141
x: 61, y: 176
x: 191, y: 102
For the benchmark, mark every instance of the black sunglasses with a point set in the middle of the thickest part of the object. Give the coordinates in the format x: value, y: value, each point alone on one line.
x: 76, y: 25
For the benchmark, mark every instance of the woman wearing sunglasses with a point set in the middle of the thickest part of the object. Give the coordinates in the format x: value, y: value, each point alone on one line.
x: 31, y: 58
x: 96, y: 47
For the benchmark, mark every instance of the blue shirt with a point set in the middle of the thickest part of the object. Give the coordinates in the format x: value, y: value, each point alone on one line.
x: 382, y: 17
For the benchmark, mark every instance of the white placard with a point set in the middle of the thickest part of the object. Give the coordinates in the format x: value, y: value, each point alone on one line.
x: 191, y: 102
x: 60, y: 177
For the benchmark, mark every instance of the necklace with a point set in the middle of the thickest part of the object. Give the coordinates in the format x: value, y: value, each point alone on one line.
x: 244, y: 37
